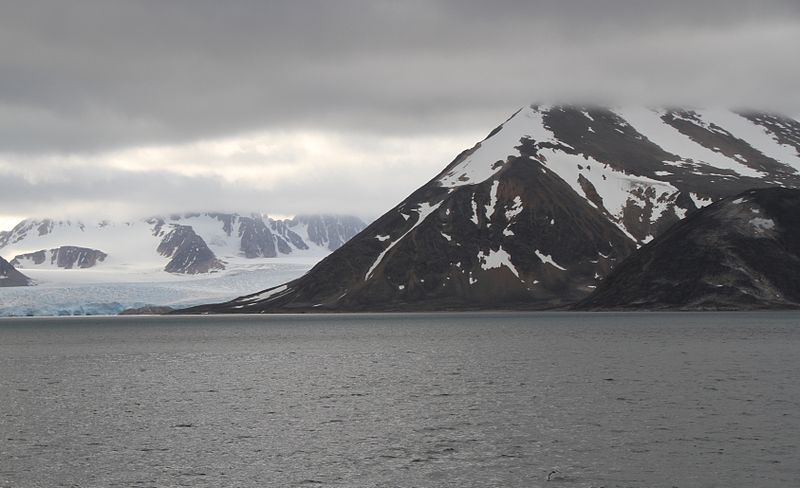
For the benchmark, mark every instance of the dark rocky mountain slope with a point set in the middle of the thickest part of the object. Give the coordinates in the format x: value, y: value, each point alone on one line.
x: 536, y: 214
x: 187, y: 251
x: 9, y: 276
x: 742, y: 252
x: 66, y: 257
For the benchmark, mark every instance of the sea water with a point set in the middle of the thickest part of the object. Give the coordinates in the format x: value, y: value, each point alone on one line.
x: 406, y: 400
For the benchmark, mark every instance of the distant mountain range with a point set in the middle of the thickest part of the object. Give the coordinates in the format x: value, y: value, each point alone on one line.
x: 185, y: 244
x: 540, y: 211
x: 66, y: 257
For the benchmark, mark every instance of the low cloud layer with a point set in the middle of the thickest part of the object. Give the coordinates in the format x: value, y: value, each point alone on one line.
x: 283, y: 173
x: 97, y: 91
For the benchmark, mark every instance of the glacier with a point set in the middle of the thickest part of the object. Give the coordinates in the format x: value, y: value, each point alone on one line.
x: 87, y: 292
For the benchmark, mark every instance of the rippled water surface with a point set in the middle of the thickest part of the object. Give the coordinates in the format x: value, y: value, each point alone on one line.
x: 611, y: 400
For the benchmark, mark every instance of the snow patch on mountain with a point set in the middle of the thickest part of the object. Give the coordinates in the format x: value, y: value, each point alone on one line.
x: 268, y: 294
x: 760, y: 138
x: 616, y: 189
x: 613, y: 187
x: 762, y: 224
x: 492, y: 200
x: 699, y: 201
x: 474, y: 210
x: 514, y: 209
x: 650, y: 124
x: 495, y: 259
x: 490, y: 155
x: 547, y: 259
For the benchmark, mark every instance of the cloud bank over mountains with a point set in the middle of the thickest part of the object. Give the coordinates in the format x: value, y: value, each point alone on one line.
x: 338, y: 105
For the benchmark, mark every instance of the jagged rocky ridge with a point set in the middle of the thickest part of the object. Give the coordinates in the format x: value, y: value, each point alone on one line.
x: 536, y: 214
x: 66, y: 257
x: 9, y: 276
x: 741, y: 252
x: 217, y: 237
x: 187, y: 251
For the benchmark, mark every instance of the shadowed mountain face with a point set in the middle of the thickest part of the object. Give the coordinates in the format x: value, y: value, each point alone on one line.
x: 10, y: 276
x: 66, y: 257
x: 742, y: 252
x: 188, y: 252
x: 535, y: 215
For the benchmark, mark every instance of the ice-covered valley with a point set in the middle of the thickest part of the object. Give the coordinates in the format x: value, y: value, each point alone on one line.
x: 85, y: 267
x: 101, y: 292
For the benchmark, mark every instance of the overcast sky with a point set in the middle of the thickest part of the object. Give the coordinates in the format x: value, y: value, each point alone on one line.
x: 121, y: 109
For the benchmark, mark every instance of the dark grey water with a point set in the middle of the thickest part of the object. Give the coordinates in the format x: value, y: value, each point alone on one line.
x: 632, y: 400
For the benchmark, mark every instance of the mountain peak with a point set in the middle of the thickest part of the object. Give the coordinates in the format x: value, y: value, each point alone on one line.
x: 537, y: 213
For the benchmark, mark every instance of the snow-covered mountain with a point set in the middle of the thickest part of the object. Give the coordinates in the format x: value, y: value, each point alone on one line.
x: 536, y: 214
x: 189, y: 244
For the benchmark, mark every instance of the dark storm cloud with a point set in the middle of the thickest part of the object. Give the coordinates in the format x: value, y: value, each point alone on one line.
x: 92, y: 75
